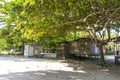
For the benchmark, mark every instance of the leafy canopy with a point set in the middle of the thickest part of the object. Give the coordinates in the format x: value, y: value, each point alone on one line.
x: 38, y: 20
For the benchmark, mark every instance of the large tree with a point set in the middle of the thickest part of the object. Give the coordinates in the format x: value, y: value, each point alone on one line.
x: 11, y: 36
x: 38, y: 18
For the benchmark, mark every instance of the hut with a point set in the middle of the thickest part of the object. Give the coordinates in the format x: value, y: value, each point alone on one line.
x: 80, y: 47
x: 31, y: 50
x: 62, y: 49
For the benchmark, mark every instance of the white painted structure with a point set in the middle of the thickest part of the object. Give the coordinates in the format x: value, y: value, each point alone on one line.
x: 94, y: 50
x: 49, y: 55
x: 31, y: 50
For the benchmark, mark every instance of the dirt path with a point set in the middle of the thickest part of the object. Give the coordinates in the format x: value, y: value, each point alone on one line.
x: 19, y: 68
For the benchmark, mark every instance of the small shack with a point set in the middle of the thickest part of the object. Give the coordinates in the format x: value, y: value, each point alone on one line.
x: 31, y: 50
x: 62, y: 49
x: 80, y: 47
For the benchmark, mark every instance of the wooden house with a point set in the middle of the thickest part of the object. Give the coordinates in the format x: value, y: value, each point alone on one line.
x: 80, y: 47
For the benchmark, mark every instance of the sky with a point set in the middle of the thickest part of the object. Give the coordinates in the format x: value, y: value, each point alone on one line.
x: 2, y: 24
x: 8, y: 0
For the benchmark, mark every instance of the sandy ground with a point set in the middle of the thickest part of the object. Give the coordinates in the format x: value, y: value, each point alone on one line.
x: 19, y: 68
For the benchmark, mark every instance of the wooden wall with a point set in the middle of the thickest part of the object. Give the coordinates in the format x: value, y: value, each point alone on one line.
x: 82, y: 46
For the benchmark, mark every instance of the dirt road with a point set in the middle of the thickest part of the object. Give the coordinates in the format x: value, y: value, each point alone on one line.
x: 19, y: 68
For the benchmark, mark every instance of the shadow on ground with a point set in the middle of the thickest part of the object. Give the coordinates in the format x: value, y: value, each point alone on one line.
x: 43, y: 75
x: 59, y: 75
x: 82, y: 69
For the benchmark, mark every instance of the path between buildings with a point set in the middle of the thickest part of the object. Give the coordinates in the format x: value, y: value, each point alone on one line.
x: 19, y: 68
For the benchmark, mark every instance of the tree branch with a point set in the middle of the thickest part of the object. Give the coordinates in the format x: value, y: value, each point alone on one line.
x: 95, y: 13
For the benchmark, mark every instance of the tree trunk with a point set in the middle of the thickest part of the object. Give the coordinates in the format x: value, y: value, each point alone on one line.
x: 102, y: 60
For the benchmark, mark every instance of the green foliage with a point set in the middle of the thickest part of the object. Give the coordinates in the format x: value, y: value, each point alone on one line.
x: 50, y: 21
x: 3, y: 44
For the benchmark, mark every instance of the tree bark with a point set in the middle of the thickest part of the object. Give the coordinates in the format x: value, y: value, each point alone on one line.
x: 102, y: 60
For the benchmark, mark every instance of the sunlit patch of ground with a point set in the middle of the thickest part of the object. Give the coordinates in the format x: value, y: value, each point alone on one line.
x: 11, y: 65
x: 19, y: 68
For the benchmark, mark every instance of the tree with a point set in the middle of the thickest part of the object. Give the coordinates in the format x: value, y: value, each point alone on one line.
x: 8, y: 32
x: 101, y: 20
x: 38, y: 18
